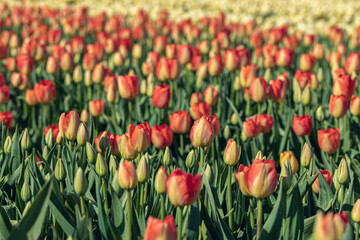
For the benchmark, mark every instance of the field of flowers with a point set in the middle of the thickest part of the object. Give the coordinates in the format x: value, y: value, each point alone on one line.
x: 196, y: 121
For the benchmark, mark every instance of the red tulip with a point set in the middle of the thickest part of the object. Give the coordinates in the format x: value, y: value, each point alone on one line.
x: 352, y: 64
x: 278, y: 90
x: 247, y: 74
x: 307, y: 62
x: 264, y: 122
x: 303, y: 78
x: 97, y: 107
x: 140, y: 136
x: 200, y: 109
x: 211, y: 95
x: 89, y: 61
x: 329, y: 140
x: 302, y: 125
x: 338, y: 106
x: 128, y: 87
x: 215, y: 66
x: 216, y: 123
x: 161, y: 96
x: 250, y: 129
x: 284, y: 57
x: 52, y: 65
x: 202, y: 132
x: 157, y: 229
x: 160, y: 43
x: 183, y: 188
x: 10, y: 64
x: 355, y: 105
x: 4, y: 94
x: 344, y: 85
x: 30, y: 97
x: 328, y: 177
x: 184, y: 53
x: 195, y: 98
x: 180, y: 121
x: 258, y: 90
x: 45, y: 91
x: 69, y: 125
x: 6, y: 118
x: 54, y: 129
x: 24, y: 64
x: 161, y: 136
x: 66, y: 61
x: 231, y: 60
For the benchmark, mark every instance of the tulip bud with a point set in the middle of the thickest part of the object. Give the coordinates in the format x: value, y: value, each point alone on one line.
x: 306, y: 96
x: 209, y: 174
x: 167, y: 158
x: 227, y: 132
x: 320, y: 75
x: 338, y: 106
x: 336, y: 182
x: 343, y: 176
x: 285, y: 174
x: 143, y: 171
x: 25, y: 140
x: 127, y: 175
x: 258, y: 90
x: 87, y: 78
x: 202, y: 132
x: 112, y: 164
x: 320, y: 114
x: 80, y: 182
x: 84, y: 117
x: 103, y: 141
x: 90, y: 152
x: 355, y: 213
x: 7, y: 145
x: 101, y: 166
x: 231, y: 153
x: 190, y: 159
x: 26, y: 209
x: 306, y: 155
x: 296, y: 91
x: 77, y: 74
x: 82, y: 134
x: 59, y: 139
x: 60, y: 173
x: 267, y: 75
x: 143, y: 87
x: 234, y: 119
x: 49, y: 138
x: 237, y: 84
x: 288, y: 155
x: 25, y: 193
x: 160, y: 180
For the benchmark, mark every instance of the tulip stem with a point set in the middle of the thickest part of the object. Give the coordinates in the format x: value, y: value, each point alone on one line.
x: 356, y: 231
x: 162, y: 202
x: 182, y: 144
x: 82, y: 205
x: 129, y: 217
x: 180, y: 223
x: 201, y: 157
x: 130, y: 111
x: 106, y: 207
x: 259, y: 108
x: 341, y: 196
x: 171, y: 94
x: 248, y: 106
x: 252, y: 219
x: 159, y: 117
x: 229, y: 199
x: 259, y: 218
x: 61, y: 186
x: 213, y: 152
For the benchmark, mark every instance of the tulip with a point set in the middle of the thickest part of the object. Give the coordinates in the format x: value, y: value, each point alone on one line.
x: 231, y: 60
x: 247, y: 74
x: 307, y: 62
x: 126, y: 150
x: 54, y: 129
x: 302, y: 125
x: 162, y: 70
x: 160, y: 43
x: 240, y: 176
x: 303, y: 78
x: 66, y: 62
x: 84, y: 116
x: 24, y: 64
x: 183, y: 188
x: 352, y: 64
x: 306, y: 156
x: 231, y: 153
x: 258, y: 90
x: 211, y: 95
x: 216, y: 123
x: 4, y: 94
x: 161, y: 96
x: 338, y: 106
x: 355, y: 105
x: 306, y: 96
x: 200, y: 109
x: 80, y: 182
x: 265, y: 122
x: 11, y: 64
x: 69, y: 125
x: 140, y: 136
x: 97, y: 107
x: 318, y: 51
x: 355, y: 213
x: 215, y: 66
x: 278, y: 90
x: 157, y: 229
x: 128, y: 87
x: 184, y: 53
x: 329, y: 140
x: 180, y: 121
x: 328, y: 177
x: 89, y: 61
x: 52, y: 65
x: 45, y: 91
x: 344, y: 85
x: 324, y: 227
x: 250, y: 129
x: 170, y: 51
x: 341, y: 221
x: 127, y: 175
x: 161, y: 136
x: 82, y: 135
x: 195, y: 98
x: 160, y: 180
x: 284, y: 57
x: 202, y: 132
x: 292, y: 159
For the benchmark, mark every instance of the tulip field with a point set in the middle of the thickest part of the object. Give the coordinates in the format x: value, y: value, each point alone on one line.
x: 144, y: 125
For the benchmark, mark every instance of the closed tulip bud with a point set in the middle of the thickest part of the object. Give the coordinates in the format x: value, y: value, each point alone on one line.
x: 87, y: 78
x: 25, y: 140
x: 211, y: 95
x: 247, y: 74
x: 160, y: 229
x: 296, y: 92
x: 97, y: 107
x: 103, y: 141
x: 215, y: 66
x: 101, y: 166
x: 160, y: 180
x: 7, y: 145
x: 60, y: 172
x: 49, y: 138
x: 45, y: 153
x: 352, y: 64
x: 143, y: 87
x: 25, y: 193
x: 320, y: 75
x: 90, y: 152
x: 128, y: 87
x: 284, y: 57
x: 183, y: 189
x: 113, y: 164
x: 306, y: 96
x: 167, y: 158
x: 77, y: 74
x: 209, y: 174
x: 98, y: 74
x: 231, y: 60
x: 84, y: 116
x: 161, y: 96
x: 82, y: 135
x: 234, y: 120
x: 202, y: 132
x: 288, y: 155
x: 227, y: 132
x: 355, y: 213
x: 115, y: 182
x: 231, y: 153
x: 66, y: 62
x: 320, y: 114
x: 59, y: 139
x: 258, y: 90
x: 306, y: 156
x: 80, y: 182
x: 237, y: 84
x: 52, y: 65
x: 285, y: 174
x: 338, y: 106
x: 143, y: 170
x: 324, y: 227
x: 343, y: 176
x: 137, y: 51
x: 278, y: 90
x: 307, y: 62
x: 190, y: 161
x: 337, y: 185
x: 126, y: 149
x: 127, y: 175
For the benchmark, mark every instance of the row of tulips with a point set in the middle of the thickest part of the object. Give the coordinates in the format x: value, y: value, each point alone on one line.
x: 118, y: 126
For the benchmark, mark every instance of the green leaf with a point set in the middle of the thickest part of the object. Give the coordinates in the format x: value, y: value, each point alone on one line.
x: 294, y: 225
x: 5, y: 225
x: 30, y: 226
x: 308, y: 227
x: 325, y: 193
x: 304, y: 186
x: 104, y: 224
x: 272, y: 227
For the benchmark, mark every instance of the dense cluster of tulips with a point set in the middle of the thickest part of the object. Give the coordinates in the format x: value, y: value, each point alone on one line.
x: 120, y: 126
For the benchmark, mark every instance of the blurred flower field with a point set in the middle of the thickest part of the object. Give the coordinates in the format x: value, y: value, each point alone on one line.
x: 179, y: 119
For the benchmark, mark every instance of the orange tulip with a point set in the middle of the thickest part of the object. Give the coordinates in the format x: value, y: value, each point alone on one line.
x: 127, y: 175
x: 69, y: 125
x: 278, y: 90
x: 231, y: 153
x: 195, y: 98
x: 344, y: 85
x: 338, y: 106
x: 97, y: 107
x: 45, y: 91
x: 184, y: 53
x: 180, y: 121
x: 202, y: 132
x: 128, y: 87
x: 247, y: 74
x: 264, y: 122
x: 161, y: 136
x: 140, y: 136
x: 258, y: 90
x: 329, y: 140
x: 126, y: 149
x: 328, y: 177
x: 231, y: 60
x: 161, y: 96
x: 157, y: 229
x: 302, y: 125
x: 216, y: 123
x: 215, y: 66
x: 355, y: 105
x: 284, y: 57
x: 307, y: 62
x: 200, y: 109
x: 211, y: 95
x: 250, y: 129
x: 352, y: 64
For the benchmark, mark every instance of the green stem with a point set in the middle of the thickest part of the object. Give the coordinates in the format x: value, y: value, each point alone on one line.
x: 113, y: 112
x: 180, y: 219
x: 341, y: 196
x: 213, y: 152
x: 259, y: 108
x: 201, y: 157
x: 252, y: 218
x: 106, y: 207
x: 162, y: 202
x: 229, y: 199
x: 159, y: 117
x: 182, y: 144
x: 61, y: 186
x: 129, y: 216
x: 141, y: 195
x: 284, y: 217
x: 145, y: 193
x: 248, y: 106
x: 259, y: 218
x: 356, y: 231
x: 130, y: 111
x: 171, y: 94
x: 82, y: 205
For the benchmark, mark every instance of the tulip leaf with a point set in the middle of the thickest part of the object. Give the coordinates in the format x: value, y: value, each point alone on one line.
x: 304, y: 186
x: 349, y: 233
x: 235, y: 111
x: 194, y: 222
x: 286, y: 134
x: 325, y: 193
x: 31, y: 224
x: 15, y: 151
x: 117, y: 211
x: 272, y: 226
x: 103, y: 220
x: 308, y: 226
x: 5, y: 225
x: 294, y: 225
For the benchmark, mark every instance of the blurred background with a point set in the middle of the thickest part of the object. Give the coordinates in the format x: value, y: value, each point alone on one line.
x: 306, y: 15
